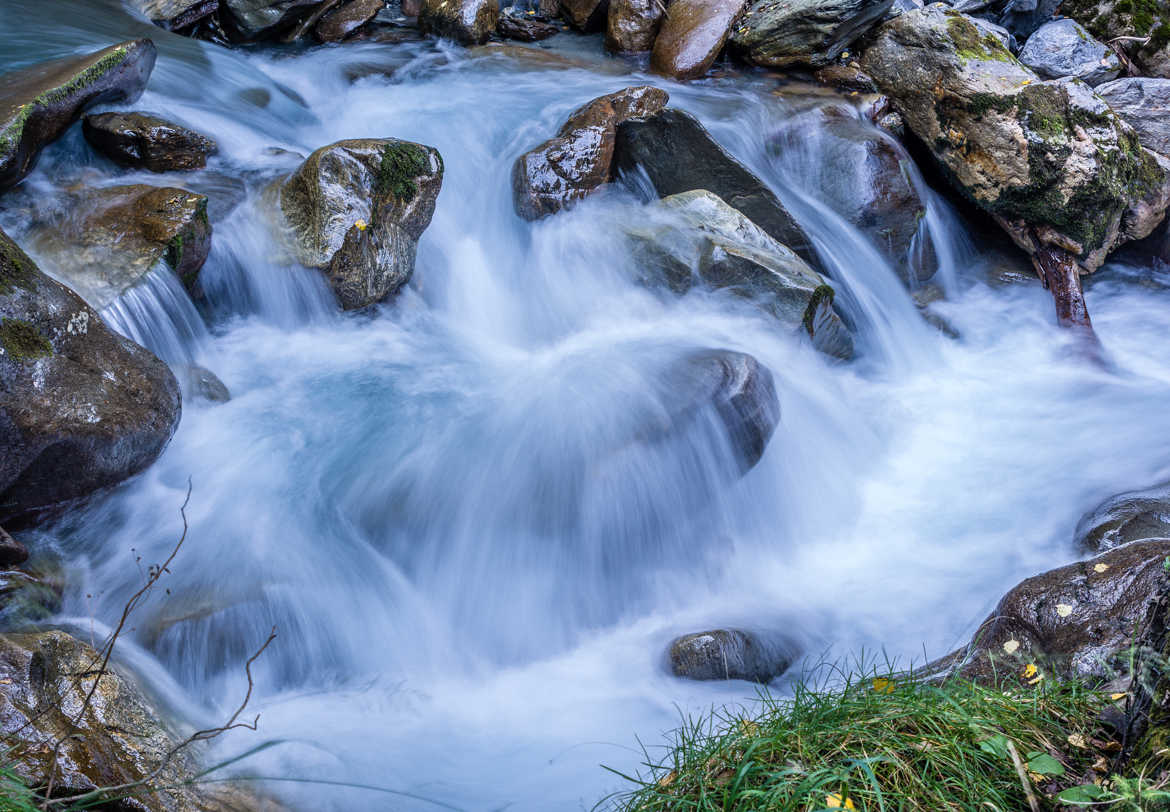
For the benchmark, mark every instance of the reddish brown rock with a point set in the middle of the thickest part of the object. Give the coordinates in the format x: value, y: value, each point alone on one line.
x: 632, y: 25
x: 344, y: 20
x: 692, y: 35
x: 585, y: 15
x: 524, y: 28
x: 467, y: 21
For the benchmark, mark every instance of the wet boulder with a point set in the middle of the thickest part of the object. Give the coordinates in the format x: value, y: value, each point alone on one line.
x: 525, y: 29
x: 585, y: 15
x: 692, y: 34
x: 1143, y: 104
x: 12, y: 552
x: 779, y: 33
x: 864, y: 176
x: 175, y: 14
x: 1142, y: 27
x: 263, y: 19
x: 694, y: 238
x: 109, y: 238
x: 1063, y: 48
x: 1126, y: 517
x: 206, y: 384
x: 344, y: 20
x: 81, y: 408
x: 356, y: 209
x: 467, y: 21
x: 725, y: 654
x: 38, y: 103
x: 120, y: 739
x: 565, y: 169
x: 140, y: 140
x: 632, y: 25
x: 678, y: 155
x: 1048, y: 160
x: 1070, y: 621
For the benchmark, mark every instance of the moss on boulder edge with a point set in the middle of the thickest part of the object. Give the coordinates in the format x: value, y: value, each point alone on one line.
x: 356, y: 209
x: 1048, y: 159
x: 1145, y: 22
x: 38, y: 103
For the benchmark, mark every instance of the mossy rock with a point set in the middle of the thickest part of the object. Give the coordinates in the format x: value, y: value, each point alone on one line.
x: 1144, y: 23
x: 39, y: 103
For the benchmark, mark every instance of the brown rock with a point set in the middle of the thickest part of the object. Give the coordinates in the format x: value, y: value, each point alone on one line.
x: 565, y: 169
x: 632, y: 25
x: 524, y: 28
x: 466, y: 21
x: 12, y: 552
x: 146, y: 141
x: 342, y: 21
x: 585, y: 15
x: 692, y: 35
x: 722, y: 654
x: 411, y: 8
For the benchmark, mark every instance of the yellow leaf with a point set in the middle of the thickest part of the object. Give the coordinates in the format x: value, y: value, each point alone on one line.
x: 1063, y: 609
x: 1100, y: 567
x: 668, y: 779
x: 361, y: 225
x: 1011, y: 646
x: 748, y: 727
x: 833, y: 801
x: 1077, y: 740
x: 883, y: 685
x: 1030, y: 670
x: 1118, y: 697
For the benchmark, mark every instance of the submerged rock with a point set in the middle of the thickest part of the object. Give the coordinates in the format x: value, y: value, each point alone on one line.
x: 174, y: 14
x: 692, y: 34
x: 679, y: 155
x: 1071, y: 621
x: 1062, y: 48
x: 779, y: 33
x: 38, y: 103
x: 695, y: 238
x: 146, y: 141
x: 344, y: 20
x: 565, y: 169
x: 466, y: 21
x: 1127, y: 517
x: 81, y: 408
x: 723, y: 654
x: 1056, y: 168
x: 1143, y: 104
x: 207, y: 385
x: 121, y: 738
x: 356, y: 209
x: 1141, y: 26
x: 110, y: 238
x: 632, y: 25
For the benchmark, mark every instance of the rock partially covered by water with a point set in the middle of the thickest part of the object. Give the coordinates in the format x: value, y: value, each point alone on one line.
x: 695, y: 238
x: 81, y: 408
x: 121, y: 737
x: 206, y: 384
x: 1063, y: 48
x: 565, y: 169
x: 144, y: 141
x: 1047, y: 159
x: 1127, y: 517
x: 692, y: 34
x: 1141, y: 26
x: 865, y: 177
x: 39, y: 103
x: 1071, y: 621
x: 1143, y: 104
x: 356, y: 209
x: 778, y: 33
x: 679, y: 155
x: 260, y: 19
x: 723, y: 654
x: 110, y: 238
x: 174, y: 14
x: 466, y: 21
x: 632, y: 25
x: 344, y: 20
x: 740, y: 389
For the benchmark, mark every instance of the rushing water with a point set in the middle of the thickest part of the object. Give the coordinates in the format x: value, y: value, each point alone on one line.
x: 472, y: 571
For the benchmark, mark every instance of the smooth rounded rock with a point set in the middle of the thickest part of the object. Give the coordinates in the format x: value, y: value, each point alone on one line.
x: 346, y: 19
x: 1063, y: 48
x: 632, y: 25
x: 468, y: 21
x: 725, y: 654
x: 1126, y: 517
x: 692, y: 35
x: 779, y: 33
x: 140, y: 140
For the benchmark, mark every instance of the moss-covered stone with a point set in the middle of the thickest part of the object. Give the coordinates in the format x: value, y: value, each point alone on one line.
x: 973, y: 43
x: 15, y: 269
x: 1143, y: 27
x: 22, y: 342
x: 400, y: 164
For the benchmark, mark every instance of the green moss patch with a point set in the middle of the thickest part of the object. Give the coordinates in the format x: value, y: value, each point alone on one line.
x: 16, y: 269
x: 22, y: 342
x: 972, y: 43
x: 822, y: 295
x: 400, y: 164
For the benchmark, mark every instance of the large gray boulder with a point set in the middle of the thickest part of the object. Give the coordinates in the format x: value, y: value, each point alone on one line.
x: 46, y: 678
x: 1126, y: 517
x: 691, y: 36
x: 466, y: 21
x: 1143, y: 104
x: 1141, y: 27
x: 1063, y: 48
x: 723, y: 654
x: 679, y: 155
x: 81, y: 408
x: 632, y: 25
x: 37, y: 104
x: 694, y: 238
x: 356, y: 209
x: 110, y: 238
x: 779, y: 33
x: 1074, y: 621
x: 140, y: 140
x: 565, y: 169
x: 1055, y: 167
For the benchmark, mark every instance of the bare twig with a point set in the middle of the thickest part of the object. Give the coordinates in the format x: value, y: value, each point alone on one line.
x: 1033, y: 803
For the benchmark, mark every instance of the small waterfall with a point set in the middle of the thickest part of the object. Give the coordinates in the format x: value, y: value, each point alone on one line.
x: 158, y: 314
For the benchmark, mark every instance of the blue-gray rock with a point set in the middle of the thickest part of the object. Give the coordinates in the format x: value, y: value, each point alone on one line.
x: 1144, y: 104
x: 723, y: 654
x: 1063, y: 48
x: 778, y: 33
